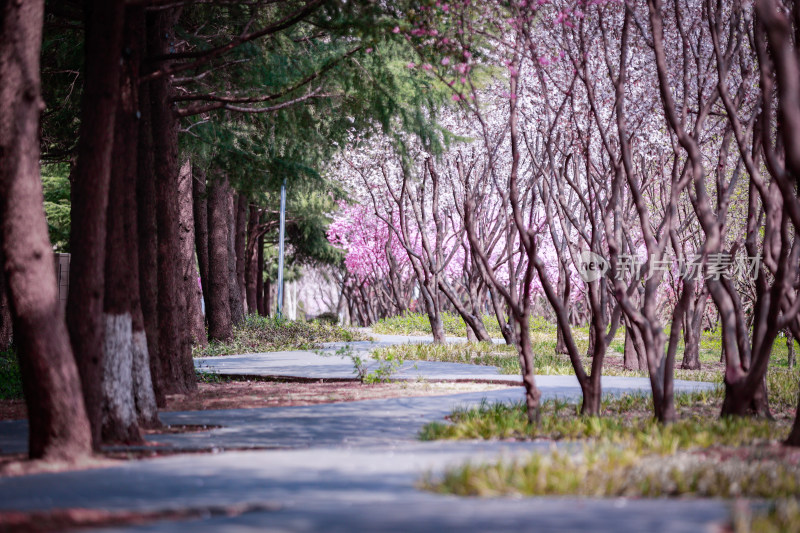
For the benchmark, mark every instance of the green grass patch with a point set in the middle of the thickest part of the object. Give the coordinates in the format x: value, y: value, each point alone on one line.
x: 10, y: 378
x: 267, y: 334
x: 782, y: 516
x: 475, y: 353
x: 418, y: 324
x: 625, y: 452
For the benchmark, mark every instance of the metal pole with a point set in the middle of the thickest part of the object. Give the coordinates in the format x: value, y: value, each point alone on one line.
x: 280, y: 249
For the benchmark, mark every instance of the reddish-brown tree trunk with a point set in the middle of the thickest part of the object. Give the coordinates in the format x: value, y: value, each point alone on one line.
x: 6, y: 329
x: 143, y: 383
x: 119, y: 421
x: 267, y: 297
x: 58, y: 426
x: 218, y: 309
x: 148, y: 242
x: 190, y: 291
x: 173, y: 339
x: 90, y: 198
x: 259, y: 275
x: 251, y: 260
x: 240, y: 243
x: 200, y: 208
x: 234, y: 294
x: 127, y: 384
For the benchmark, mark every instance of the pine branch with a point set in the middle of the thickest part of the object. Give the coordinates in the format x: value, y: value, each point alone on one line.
x: 204, y: 56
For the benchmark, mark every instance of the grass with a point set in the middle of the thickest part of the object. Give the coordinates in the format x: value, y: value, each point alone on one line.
x: 783, y: 516
x: 475, y: 353
x: 626, y: 453
x: 266, y: 334
x: 10, y: 378
x: 418, y: 324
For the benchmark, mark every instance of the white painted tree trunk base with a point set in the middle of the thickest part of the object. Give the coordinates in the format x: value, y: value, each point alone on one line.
x: 119, y: 411
x: 143, y: 394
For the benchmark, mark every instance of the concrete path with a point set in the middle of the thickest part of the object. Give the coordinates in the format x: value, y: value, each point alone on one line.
x: 348, y: 467
x: 329, y: 363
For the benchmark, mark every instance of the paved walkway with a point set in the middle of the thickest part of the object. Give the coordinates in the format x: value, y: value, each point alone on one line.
x: 339, y: 467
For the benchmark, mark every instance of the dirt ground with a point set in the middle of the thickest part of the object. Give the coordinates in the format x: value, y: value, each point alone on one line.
x: 247, y: 393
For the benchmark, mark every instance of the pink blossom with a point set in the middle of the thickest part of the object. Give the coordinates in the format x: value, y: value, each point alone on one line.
x: 445, y: 61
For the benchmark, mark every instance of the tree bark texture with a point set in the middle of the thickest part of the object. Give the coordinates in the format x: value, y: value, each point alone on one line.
x: 190, y: 290
x: 251, y: 266
x: 259, y: 275
x: 241, y: 240
x: 173, y: 339
x: 58, y: 426
x: 218, y: 309
x: 148, y: 242
x: 129, y: 399
x: 200, y: 208
x: 119, y: 420
x: 89, y: 190
x: 234, y: 294
x: 6, y: 328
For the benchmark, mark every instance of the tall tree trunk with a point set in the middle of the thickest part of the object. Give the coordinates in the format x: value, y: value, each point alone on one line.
x: 241, y: 243
x: 103, y: 19
x: 691, y: 347
x: 790, y: 350
x: 191, y: 291
x: 564, y: 290
x: 251, y: 272
x: 267, y: 296
x: 173, y: 339
x: 126, y: 146
x: 120, y: 420
x: 234, y: 294
x: 200, y: 207
x: 692, y: 324
x: 58, y: 426
x: 6, y: 328
x: 148, y: 243
x: 218, y: 309
x: 260, y: 276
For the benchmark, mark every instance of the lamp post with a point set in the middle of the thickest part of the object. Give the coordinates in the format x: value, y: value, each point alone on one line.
x: 280, y: 249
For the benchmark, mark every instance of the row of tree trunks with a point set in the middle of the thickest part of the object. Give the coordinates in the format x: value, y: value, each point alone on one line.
x: 58, y: 426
